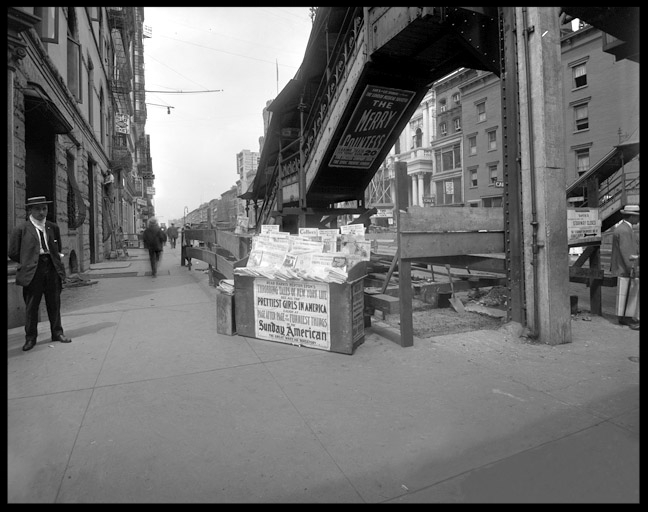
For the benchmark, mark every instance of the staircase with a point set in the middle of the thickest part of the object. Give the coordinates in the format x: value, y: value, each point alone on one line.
x: 364, y: 73
x: 616, y: 178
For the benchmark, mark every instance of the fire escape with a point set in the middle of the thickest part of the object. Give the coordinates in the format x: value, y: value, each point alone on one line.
x: 121, y: 23
x: 143, y: 172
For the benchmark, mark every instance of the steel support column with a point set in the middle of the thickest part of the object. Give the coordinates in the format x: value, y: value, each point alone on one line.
x: 512, y: 177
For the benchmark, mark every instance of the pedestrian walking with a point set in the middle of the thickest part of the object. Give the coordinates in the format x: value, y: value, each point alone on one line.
x: 625, y: 265
x: 172, y: 233
x: 153, y: 238
x: 36, y: 245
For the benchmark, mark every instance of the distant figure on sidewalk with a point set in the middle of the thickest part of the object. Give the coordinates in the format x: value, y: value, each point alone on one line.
x: 164, y: 235
x: 186, y: 243
x: 36, y: 245
x: 153, y: 238
x: 172, y: 233
x: 625, y: 265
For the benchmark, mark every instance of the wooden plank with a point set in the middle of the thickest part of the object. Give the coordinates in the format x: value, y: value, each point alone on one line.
x: 606, y: 281
x: 405, y: 292
x: 237, y: 244
x: 221, y: 263
x: 585, y: 255
x: 392, y: 267
x: 385, y: 303
x: 420, y: 245
x: 442, y: 219
x: 592, y: 273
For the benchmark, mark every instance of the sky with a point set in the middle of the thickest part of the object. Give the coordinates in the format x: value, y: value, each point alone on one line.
x: 248, y: 54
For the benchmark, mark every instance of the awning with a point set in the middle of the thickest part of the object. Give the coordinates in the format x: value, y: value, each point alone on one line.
x: 38, y: 103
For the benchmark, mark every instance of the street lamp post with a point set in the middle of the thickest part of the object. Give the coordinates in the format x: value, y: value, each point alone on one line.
x: 184, y: 214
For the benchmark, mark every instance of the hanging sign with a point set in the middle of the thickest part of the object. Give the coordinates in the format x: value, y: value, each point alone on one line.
x: 583, y: 225
x: 372, y: 122
x: 449, y: 187
x: 122, y: 123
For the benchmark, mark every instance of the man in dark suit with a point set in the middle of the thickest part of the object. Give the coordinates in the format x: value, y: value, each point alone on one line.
x: 36, y: 246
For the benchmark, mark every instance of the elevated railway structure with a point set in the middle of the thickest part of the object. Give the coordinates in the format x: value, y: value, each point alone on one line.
x: 364, y: 72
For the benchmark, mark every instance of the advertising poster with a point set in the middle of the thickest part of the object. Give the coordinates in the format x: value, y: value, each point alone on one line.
x: 294, y: 312
x: 371, y: 124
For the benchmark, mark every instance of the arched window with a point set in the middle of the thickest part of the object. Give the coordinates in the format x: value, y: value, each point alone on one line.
x: 419, y: 138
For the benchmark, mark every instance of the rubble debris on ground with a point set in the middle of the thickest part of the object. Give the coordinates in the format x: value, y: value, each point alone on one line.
x: 494, y: 297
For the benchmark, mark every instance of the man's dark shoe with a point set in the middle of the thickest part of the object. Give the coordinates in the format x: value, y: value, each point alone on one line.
x: 29, y: 344
x: 62, y: 338
x: 624, y: 320
x: 634, y: 327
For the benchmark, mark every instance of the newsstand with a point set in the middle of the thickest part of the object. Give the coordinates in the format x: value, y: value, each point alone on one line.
x: 314, y: 314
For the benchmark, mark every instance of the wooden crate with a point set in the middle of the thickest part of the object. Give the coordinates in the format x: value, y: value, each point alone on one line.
x: 325, y: 316
x: 225, y: 321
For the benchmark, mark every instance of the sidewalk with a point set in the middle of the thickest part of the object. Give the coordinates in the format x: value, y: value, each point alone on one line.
x: 149, y: 404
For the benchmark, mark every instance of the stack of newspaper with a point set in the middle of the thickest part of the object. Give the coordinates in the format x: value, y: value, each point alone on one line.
x: 314, y: 254
x: 226, y: 286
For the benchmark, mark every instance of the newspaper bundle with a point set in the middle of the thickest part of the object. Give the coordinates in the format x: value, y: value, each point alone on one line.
x: 324, y: 255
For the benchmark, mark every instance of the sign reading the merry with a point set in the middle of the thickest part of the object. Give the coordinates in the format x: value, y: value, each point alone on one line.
x: 295, y: 312
x: 371, y: 124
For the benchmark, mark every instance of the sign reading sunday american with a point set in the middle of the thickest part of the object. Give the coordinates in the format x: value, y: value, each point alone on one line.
x: 372, y: 122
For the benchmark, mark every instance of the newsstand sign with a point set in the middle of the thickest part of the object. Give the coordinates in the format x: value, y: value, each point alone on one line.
x: 371, y: 124
x: 294, y: 312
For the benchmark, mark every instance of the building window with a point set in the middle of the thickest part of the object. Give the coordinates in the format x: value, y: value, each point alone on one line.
x: 581, y: 117
x: 397, y: 148
x: 418, y: 138
x: 492, y: 174
x: 481, y: 112
x: 71, y: 197
x: 448, y: 158
x: 473, y: 178
x: 492, y: 202
x: 90, y: 92
x: 73, y: 56
x: 456, y: 99
x: 102, y: 119
x: 580, y: 75
x: 443, y: 128
x: 582, y: 161
x: 48, y: 25
x: 492, y: 140
x: 442, y: 105
x: 448, y: 192
x: 472, y: 144
x: 457, y: 125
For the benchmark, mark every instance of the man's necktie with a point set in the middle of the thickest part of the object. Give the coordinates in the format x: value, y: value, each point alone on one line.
x: 42, y: 240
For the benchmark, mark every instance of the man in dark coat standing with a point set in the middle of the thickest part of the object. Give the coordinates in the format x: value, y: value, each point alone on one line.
x: 35, y: 245
x: 154, y: 239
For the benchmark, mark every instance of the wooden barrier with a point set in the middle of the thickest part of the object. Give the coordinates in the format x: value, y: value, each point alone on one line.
x: 431, y: 234
x: 221, y: 249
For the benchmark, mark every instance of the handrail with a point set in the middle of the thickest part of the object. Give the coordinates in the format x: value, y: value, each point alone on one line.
x: 342, y: 52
